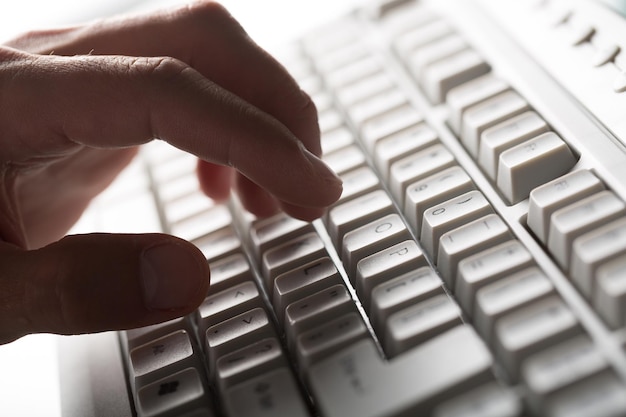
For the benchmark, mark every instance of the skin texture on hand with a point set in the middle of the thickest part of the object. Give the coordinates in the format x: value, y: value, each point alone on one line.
x: 75, y: 104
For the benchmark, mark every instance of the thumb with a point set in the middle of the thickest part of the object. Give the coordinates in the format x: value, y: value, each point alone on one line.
x: 98, y: 282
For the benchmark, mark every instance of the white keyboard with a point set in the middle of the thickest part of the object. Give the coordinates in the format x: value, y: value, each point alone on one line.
x: 475, y: 264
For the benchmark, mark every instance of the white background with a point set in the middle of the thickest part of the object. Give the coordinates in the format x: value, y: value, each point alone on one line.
x: 29, y: 379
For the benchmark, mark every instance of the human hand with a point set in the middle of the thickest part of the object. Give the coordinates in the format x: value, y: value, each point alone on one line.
x: 75, y: 104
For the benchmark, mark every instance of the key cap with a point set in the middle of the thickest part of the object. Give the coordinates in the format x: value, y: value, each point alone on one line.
x: 142, y: 335
x: 387, y: 123
x: 346, y: 159
x: 556, y: 194
x: 402, y: 292
x: 357, y: 382
x: 173, y: 395
x: 486, y: 267
x: 419, y: 323
x: 440, y: 77
x: 354, y: 71
x: 364, y: 88
x: 487, y: 113
x: 221, y: 243
x: 579, y: 218
x: 336, y: 139
x: 228, y: 272
x: 610, y: 295
x: 290, y: 255
x: 531, y: 164
x: 449, y: 215
x: 386, y: 264
x: 559, y: 366
x: 329, y: 338
x: 489, y: 400
x: 402, y: 144
x: 420, y: 36
x: 248, y: 362
x: 356, y: 213
x: 506, y: 135
x: 532, y: 329
x: 378, y: 103
x: 416, y: 167
x: 507, y: 294
x: 302, y: 282
x: 358, y: 182
x: 371, y: 238
x: 434, y: 190
x: 278, y: 229
x: 468, y: 240
x: 420, y: 59
x: 473, y: 92
x: 189, y: 213
x: 594, y: 249
x: 272, y: 394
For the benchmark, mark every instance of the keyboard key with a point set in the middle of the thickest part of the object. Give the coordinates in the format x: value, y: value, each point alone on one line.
x: 531, y: 164
x: 378, y: 103
x: 487, y: 113
x: 486, y: 267
x: 345, y: 159
x: 336, y: 139
x: 594, y: 249
x: 402, y: 292
x: 449, y: 215
x: 421, y: 35
x: 278, y: 229
x: 468, y: 240
x: 387, y: 123
x: 354, y: 71
x: 416, y: 167
x: 472, y: 92
x: 505, y: 135
x: 532, y: 329
x: 228, y: 272
x: 419, y: 323
x: 422, y: 58
x: 358, y: 182
x: 143, y: 335
x: 275, y: 393
x: 434, y: 190
x: 556, y: 194
x: 507, y: 294
x: 610, y: 294
x: 357, y: 382
x: 371, y: 238
x: 386, y: 264
x: 364, y: 88
x: 220, y: 243
x: 579, y: 218
x: 489, y: 400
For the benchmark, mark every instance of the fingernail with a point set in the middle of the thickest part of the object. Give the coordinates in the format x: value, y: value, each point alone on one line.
x: 324, y: 170
x: 171, y: 277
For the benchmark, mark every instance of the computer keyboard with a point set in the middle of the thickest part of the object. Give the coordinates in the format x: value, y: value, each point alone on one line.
x: 475, y: 264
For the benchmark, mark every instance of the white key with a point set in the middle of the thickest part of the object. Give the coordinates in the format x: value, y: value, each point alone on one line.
x: 364, y: 88
x: 174, y: 395
x: 532, y: 329
x: 328, y: 338
x: 356, y: 213
x: 505, y: 135
x: 416, y: 167
x: 221, y: 243
x: 468, y: 240
x: 387, y: 123
x: 402, y: 144
x: 329, y: 120
x: 386, y: 264
x: 421, y: 35
x: 420, y: 322
x: 610, y: 294
x: 593, y: 249
x: 354, y: 71
x: 402, y: 292
x: 379, y: 103
x: 440, y: 77
x: 556, y: 194
x: 185, y: 210
x: 489, y: 113
x: 142, y: 335
x: 177, y: 188
x: 358, y: 182
x: 236, y: 333
x: 449, y: 215
x: 579, y: 218
x: 490, y: 400
x: 302, y: 282
x: 272, y: 394
x: 250, y: 361
x: 290, y: 255
x: 278, y: 229
x: 599, y: 396
x: 561, y: 365
x: 486, y: 267
x: 507, y: 294
x: 345, y: 159
x: 531, y: 164
x: 315, y: 310
x: 433, y: 190
x: 358, y: 382
x: 371, y: 238
x: 161, y: 357
x: 228, y: 272
x: 420, y: 59
x: 473, y: 92
x: 336, y: 139
x: 204, y: 217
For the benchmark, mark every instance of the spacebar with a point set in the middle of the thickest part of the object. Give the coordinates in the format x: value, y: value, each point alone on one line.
x: 358, y: 382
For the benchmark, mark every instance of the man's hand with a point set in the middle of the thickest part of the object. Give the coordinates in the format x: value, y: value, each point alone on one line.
x: 75, y: 103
